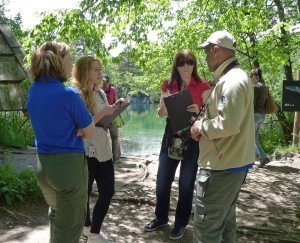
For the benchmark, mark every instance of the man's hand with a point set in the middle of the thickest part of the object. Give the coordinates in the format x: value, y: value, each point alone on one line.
x: 195, y: 132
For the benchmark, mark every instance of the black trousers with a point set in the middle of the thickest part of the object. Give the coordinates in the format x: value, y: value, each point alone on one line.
x: 104, y: 175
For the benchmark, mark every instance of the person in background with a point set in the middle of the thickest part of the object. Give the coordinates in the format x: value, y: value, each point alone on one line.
x: 60, y: 120
x: 226, y: 133
x: 261, y: 93
x: 111, y: 94
x: 184, y: 76
x: 87, y: 79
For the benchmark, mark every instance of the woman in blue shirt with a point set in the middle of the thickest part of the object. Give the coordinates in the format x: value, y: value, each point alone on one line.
x: 60, y: 121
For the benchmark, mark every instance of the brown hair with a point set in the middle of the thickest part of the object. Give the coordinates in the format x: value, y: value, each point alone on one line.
x: 81, y: 79
x: 47, y: 60
x: 180, y: 56
x: 256, y: 72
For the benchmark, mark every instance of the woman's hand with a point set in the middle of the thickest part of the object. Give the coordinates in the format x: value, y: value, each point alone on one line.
x: 162, y: 96
x: 109, y: 109
x: 79, y: 133
x: 162, y: 110
x: 121, y: 101
x: 165, y: 94
x: 193, y: 108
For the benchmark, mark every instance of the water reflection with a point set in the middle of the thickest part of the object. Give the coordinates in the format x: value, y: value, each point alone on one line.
x: 143, y: 130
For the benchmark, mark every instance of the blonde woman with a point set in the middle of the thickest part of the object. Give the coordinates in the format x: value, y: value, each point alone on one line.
x: 87, y: 78
x: 59, y: 119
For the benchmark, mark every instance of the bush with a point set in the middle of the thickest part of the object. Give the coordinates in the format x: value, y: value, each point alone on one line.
x: 271, y: 136
x: 11, y: 188
x: 30, y: 185
x: 138, y: 94
x: 15, y: 130
x: 16, y: 186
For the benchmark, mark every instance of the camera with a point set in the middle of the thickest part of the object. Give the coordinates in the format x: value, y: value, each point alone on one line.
x: 176, y: 150
x: 184, y: 133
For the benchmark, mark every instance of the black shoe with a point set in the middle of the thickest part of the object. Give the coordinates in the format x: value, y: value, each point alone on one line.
x: 263, y: 162
x: 153, y: 225
x: 177, y: 232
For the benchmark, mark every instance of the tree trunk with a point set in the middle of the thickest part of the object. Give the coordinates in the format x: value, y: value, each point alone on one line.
x: 286, y: 128
x: 285, y: 125
x: 296, y: 129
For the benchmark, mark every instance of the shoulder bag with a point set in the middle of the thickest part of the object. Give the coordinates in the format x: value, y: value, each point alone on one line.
x: 271, y: 105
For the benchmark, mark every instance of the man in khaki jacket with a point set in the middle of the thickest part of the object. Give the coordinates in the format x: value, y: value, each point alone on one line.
x: 226, y: 133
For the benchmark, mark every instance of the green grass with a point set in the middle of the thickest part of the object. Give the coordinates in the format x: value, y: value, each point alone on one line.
x: 287, y: 150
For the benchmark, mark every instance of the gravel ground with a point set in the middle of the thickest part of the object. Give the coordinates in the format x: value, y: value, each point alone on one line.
x: 268, y: 208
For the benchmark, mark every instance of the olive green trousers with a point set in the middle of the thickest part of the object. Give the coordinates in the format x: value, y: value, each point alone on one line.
x: 215, y: 206
x: 62, y: 178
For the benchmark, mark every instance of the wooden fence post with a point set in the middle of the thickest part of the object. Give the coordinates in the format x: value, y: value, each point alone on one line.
x: 296, y: 129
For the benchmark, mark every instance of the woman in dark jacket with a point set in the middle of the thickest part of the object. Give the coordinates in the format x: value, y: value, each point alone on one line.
x: 260, y: 99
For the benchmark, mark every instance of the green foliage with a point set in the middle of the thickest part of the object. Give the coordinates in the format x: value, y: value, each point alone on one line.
x: 15, y: 22
x: 262, y: 29
x: 32, y: 189
x: 286, y: 150
x: 15, y: 130
x: 16, y: 186
x: 137, y: 94
x: 271, y: 134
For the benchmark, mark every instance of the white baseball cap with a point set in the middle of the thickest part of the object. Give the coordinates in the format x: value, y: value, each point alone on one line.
x: 221, y: 38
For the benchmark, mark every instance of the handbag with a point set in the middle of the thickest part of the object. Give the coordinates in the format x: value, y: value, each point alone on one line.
x: 271, y: 105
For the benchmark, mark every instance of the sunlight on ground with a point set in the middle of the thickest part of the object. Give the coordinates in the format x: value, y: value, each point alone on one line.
x: 27, y: 235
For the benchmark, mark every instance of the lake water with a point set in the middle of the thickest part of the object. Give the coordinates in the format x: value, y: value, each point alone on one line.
x: 143, y: 130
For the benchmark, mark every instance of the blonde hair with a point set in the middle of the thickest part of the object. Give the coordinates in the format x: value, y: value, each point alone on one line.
x: 47, y: 60
x: 81, y: 80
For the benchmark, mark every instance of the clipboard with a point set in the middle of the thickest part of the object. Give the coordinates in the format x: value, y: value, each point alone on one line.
x: 108, y: 119
x: 176, y: 105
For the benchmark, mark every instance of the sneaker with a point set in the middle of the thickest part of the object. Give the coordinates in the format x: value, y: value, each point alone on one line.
x: 86, y: 231
x: 263, y: 162
x: 98, y: 238
x: 153, y: 225
x: 177, y: 232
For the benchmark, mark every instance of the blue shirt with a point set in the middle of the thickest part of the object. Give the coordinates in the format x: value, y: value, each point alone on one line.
x: 239, y: 169
x: 56, y: 113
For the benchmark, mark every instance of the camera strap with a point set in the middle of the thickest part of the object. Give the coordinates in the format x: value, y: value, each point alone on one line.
x: 230, y: 66
x: 226, y: 70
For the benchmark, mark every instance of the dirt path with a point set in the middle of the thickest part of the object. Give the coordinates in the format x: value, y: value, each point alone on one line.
x: 268, y: 208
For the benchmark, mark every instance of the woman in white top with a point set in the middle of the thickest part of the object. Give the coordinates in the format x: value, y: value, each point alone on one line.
x: 87, y: 78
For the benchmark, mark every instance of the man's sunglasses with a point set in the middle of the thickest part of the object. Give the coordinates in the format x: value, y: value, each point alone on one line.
x: 182, y: 63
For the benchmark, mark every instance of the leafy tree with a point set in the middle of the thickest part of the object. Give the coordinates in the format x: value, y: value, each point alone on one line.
x: 263, y: 30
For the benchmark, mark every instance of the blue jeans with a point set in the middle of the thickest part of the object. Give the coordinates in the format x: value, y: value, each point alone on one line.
x: 165, y: 177
x: 259, y: 120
